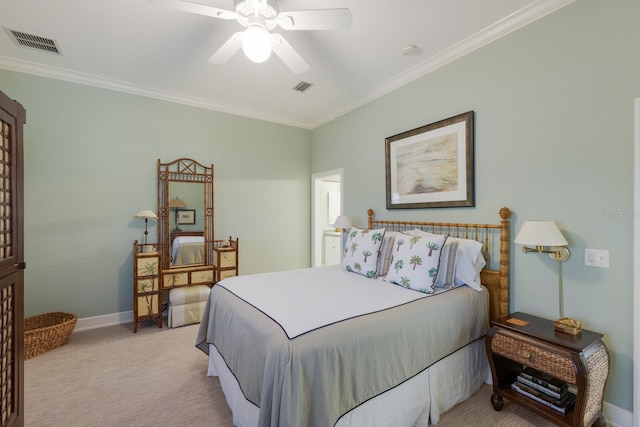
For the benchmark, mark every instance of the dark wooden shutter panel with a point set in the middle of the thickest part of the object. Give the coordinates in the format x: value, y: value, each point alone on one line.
x: 12, y: 118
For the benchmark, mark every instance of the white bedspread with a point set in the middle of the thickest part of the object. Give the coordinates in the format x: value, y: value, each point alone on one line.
x: 293, y: 300
x: 386, y: 323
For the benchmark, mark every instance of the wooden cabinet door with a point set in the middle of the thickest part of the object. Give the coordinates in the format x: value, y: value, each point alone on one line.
x: 12, y: 118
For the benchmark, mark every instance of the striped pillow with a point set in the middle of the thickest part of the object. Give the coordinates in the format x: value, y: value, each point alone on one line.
x: 386, y: 250
x: 447, y: 270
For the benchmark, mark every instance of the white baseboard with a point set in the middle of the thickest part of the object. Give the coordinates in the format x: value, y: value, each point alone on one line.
x: 94, y: 322
x: 616, y: 417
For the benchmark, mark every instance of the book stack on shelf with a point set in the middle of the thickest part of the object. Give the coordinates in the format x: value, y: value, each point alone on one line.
x: 545, y: 389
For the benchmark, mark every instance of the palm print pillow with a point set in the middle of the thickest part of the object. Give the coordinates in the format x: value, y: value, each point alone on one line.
x: 415, y: 261
x: 362, y: 250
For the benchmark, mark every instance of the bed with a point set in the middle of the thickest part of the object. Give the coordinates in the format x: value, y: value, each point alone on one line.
x: 343, y: 346
x: 187, y: 249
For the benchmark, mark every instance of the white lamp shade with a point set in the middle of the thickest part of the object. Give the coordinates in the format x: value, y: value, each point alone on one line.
x: 256, y: 44
x: 540, y: 233
x: 146, y: 214
x: 342, y: 221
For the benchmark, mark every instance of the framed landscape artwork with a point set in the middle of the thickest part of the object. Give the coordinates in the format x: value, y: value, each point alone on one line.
x: 432, y: 166
x: 186, y: 216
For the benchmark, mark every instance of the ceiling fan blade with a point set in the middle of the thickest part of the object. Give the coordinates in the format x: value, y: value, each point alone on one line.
x: 288, y: 54
x: 323, y: 19
x: 197, y: 8
x: 228, y: 49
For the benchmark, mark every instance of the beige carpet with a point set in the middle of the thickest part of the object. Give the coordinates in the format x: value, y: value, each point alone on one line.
x: 113, y: 377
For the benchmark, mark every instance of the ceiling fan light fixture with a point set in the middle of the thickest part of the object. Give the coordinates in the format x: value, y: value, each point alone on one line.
x: 258, y: 18
x: 256, y: 43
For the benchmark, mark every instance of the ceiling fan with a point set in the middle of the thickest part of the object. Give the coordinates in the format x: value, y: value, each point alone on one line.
x: 258, y: 17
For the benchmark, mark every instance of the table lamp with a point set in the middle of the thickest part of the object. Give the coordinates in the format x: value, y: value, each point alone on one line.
x: 146, y: 215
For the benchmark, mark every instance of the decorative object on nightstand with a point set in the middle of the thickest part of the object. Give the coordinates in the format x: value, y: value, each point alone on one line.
x: 545, y: 237
x: 524, y: 349
x: 225, y: 258
x: 147, y: 291
x: 146, y: 215
x: 175, y: 204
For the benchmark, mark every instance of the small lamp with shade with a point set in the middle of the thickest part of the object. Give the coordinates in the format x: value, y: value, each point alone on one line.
x: 146, y: 215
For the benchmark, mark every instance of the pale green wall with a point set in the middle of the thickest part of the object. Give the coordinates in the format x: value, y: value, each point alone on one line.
x: 90, y: 165
x: 554, y: 140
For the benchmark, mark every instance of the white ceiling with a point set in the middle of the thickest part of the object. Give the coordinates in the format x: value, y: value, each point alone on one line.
x: 135, y: 47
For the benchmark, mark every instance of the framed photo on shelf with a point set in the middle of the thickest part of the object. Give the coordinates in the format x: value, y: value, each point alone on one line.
x: 186, y: 216
x: 432, y: 166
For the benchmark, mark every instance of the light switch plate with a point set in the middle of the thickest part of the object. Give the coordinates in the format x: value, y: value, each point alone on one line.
x: 596, y: 258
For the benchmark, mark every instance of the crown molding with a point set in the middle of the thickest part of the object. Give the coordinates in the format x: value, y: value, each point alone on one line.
x: 125, y: 87
x: 487, y: 35
x: 482, y: 38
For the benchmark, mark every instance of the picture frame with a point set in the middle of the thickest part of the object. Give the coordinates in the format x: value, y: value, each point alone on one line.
x: 432, y: 166
x: 186, y: 216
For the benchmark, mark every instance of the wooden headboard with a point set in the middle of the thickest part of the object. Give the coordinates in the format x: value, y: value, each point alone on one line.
x: 494, y: 239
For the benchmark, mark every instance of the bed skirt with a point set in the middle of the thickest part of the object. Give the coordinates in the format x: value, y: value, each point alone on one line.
x: 437, y: 389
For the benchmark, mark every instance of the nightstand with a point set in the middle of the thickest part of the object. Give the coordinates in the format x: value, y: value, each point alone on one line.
x: 225, y: 260
x: 579, y: 360
x: 332, y: 249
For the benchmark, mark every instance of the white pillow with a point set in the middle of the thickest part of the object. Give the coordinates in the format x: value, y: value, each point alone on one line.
x: 415, y: 261
x: 362, y: 250
x: 386, y: 249
x: 469, y: 263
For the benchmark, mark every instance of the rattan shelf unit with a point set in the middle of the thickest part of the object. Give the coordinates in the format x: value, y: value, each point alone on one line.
x: 147, y: 290
x: 580, y: 360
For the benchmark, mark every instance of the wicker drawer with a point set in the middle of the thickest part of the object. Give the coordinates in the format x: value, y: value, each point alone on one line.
x: 554, y: 364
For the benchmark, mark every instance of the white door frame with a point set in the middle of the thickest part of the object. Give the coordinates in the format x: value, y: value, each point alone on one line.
x: 636, y: 265
x: 316, y: 179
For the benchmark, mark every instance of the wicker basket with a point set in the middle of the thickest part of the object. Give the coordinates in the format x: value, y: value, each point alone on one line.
x: 45, y: 332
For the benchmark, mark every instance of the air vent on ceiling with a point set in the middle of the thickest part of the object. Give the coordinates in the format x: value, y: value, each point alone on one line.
x: 302, y: 86
x: 33, y: 41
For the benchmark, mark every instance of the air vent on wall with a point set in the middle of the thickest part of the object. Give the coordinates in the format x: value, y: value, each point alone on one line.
x: 33, y: 41
x: 302, y: 86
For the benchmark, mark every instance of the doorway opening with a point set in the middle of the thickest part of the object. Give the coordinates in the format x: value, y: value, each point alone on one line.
x: 326, y: 205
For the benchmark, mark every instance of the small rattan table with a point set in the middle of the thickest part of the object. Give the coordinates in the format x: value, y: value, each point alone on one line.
x: 579, y: 360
